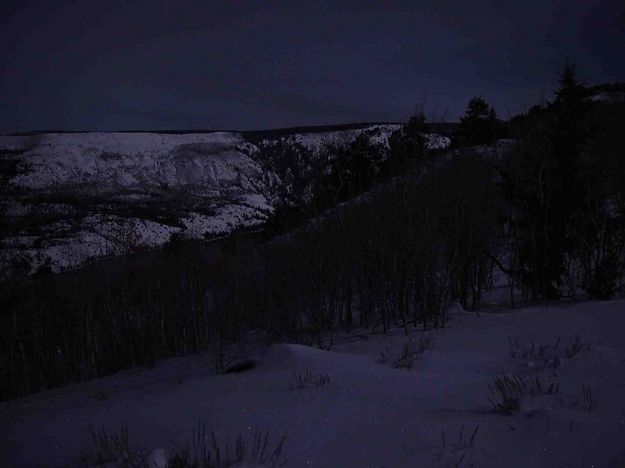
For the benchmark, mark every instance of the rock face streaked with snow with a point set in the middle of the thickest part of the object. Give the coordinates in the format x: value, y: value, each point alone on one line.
x: 378, y: 134
x: 113, y: 161
x: 71, y: 197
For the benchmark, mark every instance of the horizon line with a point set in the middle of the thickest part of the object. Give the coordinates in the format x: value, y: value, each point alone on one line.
x: 330, y: 127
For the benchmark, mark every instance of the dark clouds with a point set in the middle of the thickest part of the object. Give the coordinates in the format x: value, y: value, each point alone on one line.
x: 196, y: 64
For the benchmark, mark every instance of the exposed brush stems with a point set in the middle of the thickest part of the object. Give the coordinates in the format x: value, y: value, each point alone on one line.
x: 589, y: 400
x: 110, y: 448
x: 537, y: 386
x: 534, y: 350
x: 204, y: 451
x: 473, y: 435
x: 426, y: 342
x: 576, y: 347
x: 407, y: 357
x: 308, y: 380
x: 412, y: 350
x: 461, y: 442
x: 460, y: 447
x: 385, y: 354
x: 507, y: 391
x: 533, y: 385
x: 207, y: 451
x: 547, y: 355
x: 506, y: 395
x: 259, y: 448
x: 514, y: 346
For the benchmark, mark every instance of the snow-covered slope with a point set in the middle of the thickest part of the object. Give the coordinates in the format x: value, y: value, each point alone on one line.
x: 378, y: 134
x: 369, y: 414
x: 69, y: 198
x: 78, y: 196
x: 119, y: 160
x: 73, y: 197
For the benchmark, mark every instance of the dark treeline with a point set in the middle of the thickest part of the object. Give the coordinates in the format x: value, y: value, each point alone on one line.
x: 368, y: 239
x: 377, y: 262
x: 565, y: 184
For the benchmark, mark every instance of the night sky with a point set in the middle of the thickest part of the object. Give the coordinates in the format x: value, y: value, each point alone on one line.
x: 107, y: 65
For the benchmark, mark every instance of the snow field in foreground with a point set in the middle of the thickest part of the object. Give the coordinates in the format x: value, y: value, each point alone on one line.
x: 370, y: 413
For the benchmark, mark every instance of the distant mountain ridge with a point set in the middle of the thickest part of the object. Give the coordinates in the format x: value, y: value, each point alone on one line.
x: 70, y: 197
x: 610, y: 92
x: 443, y: 128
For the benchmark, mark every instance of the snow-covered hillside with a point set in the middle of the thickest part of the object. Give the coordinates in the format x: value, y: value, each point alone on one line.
x: 378, y: 134
x: 113, y: 161
x: 69, y: 198
x: 436, y: 414
x: 78, y: 196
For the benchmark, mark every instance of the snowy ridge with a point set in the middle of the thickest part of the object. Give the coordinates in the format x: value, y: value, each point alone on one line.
x: 73, y: 197
x: 120, y: 160
x: 378, y: 134
x: 100, y: 194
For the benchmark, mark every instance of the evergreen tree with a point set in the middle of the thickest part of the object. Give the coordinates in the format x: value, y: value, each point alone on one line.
x: 408, y: 146
x: 543, y: 184
x: 600, y: 222
x: 570, y: 124
x: 479, y: 125
x: 350, y: 169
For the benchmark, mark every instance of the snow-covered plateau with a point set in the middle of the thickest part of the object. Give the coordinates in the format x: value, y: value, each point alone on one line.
x: 566, y: 362
x: 68, y: 198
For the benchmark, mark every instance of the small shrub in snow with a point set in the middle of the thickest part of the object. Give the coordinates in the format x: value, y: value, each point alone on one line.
x: 537, y: 354
x: 462, y: 444
x: 385, y: 355
x: 407, y: 357
x: 534, y: 350
x: 206, y: 451
x: 426, y: 342
x: 589, y: 400
x: 112, y: 450
x: 573, y: 425
x: 576, y: 346
x: 544, y: 356
x: 536, y: 385
x: 552, y: 362
x: 533, y: 385
x: 307, y: 380
x: 455, y: 452
x: 506, y: 395
x: 507, y: 391
x: 412, y: 350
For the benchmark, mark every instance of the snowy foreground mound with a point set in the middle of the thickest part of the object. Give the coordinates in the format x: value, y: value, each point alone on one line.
x: 435, y: 414
x: 70, y: 198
